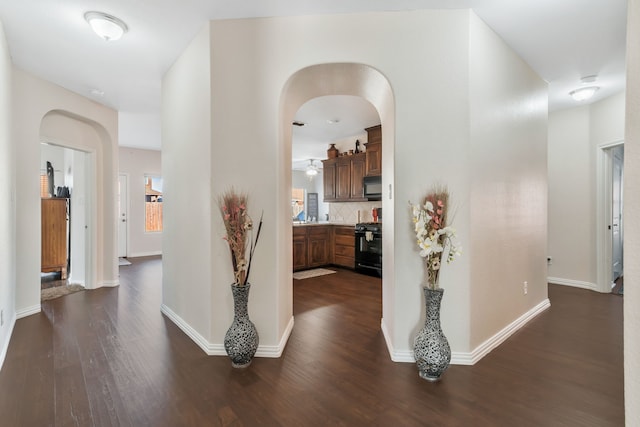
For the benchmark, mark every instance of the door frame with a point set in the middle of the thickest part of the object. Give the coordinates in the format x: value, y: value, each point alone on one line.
x: 126, y: 207
x: 604, y: 200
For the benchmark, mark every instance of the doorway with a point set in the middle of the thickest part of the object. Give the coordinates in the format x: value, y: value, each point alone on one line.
x: 64, y: 188
x: 123, y: 217
x: 610, y: 233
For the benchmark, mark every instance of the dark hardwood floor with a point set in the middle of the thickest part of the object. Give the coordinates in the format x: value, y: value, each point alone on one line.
x: 108, y: 357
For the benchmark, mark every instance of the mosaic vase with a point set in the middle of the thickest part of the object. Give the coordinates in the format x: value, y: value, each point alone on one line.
x: 431, y: 348
x: 241, y: 340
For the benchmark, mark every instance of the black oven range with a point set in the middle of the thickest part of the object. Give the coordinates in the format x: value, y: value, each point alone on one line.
x: 368, y: 255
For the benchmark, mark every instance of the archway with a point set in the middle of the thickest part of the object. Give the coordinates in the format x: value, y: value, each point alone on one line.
x: 366, y: 82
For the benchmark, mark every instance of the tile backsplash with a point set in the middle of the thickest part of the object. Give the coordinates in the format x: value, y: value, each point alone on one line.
x: 348, y: 212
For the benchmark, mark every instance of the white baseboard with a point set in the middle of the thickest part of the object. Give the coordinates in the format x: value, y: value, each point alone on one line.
x: 108, y: 284
x: 140, y: 254
x: 5, y: 347
x: 208, y: 348
x: 28, y: 311
x: 574, y: 283
x: 463, y: 358
x: 212, y: 349
x: 493, y: 342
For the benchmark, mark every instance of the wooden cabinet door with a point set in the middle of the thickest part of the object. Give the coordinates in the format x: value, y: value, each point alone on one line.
x: 343, y: 178
x: 344, y: 246
x: 300, y: 261
x: 329, y: 179
x: 53, y: 255
x: 374, y: 151
x: 374, y: 160
x: 357, y: 173
x: 319, y: 240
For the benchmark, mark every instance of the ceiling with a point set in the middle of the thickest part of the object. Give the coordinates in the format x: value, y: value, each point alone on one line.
x: 561, y: 40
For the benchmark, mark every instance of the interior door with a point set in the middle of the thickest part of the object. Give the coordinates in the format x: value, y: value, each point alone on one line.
x: 616, y: 211
x: 123, y: 202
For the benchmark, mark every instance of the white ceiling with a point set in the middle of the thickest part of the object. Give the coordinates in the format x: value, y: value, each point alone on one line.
x: 563, y: 40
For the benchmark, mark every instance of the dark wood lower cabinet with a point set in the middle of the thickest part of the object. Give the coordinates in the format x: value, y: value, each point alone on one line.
x: 319, y: 241
x: 322, y: 245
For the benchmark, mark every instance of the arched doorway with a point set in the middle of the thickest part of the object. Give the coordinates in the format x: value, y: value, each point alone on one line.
x: 368, y: 83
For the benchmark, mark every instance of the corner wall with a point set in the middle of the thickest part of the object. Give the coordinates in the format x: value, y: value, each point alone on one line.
x: 632, y: 220
x: 507, y: 210
x: 249, y: 66
x: 8, y: 206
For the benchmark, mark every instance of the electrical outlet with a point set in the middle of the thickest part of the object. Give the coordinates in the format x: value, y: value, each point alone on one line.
x: 525, y: 288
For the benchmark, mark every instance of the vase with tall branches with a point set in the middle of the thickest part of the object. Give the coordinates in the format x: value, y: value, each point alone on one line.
x: 241, y: 340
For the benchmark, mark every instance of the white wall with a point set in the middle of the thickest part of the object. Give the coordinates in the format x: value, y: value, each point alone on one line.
x: 426, y: 136
x: 7, y: 210
x: 136, y: 163
x: 187, y: 261
x: 43, y: 111
x: 575, y: 134
x: 632, y: 221
x: 507, y: 211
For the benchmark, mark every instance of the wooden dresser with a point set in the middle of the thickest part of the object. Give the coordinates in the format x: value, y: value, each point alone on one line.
x: 54, y: 223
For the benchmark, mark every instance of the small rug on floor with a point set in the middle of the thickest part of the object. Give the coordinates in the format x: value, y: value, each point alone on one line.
x: 122, y: 261
x: 311, y: 273
x: 58, y: 291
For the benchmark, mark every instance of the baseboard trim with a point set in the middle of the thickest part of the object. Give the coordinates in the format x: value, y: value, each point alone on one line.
x: 485, y: 348
x: 28, y: 311
x: 275, y: 351
x: 5, y: 347
x: 464, y: 358
x: 573, y: 283
x: 108, y: 284
x: 200, y: 341
x: 211, y: 349
x: 141, y: 254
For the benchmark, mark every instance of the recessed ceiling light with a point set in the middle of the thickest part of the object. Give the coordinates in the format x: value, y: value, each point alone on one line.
x: 333, y: 121
x: 584, y: 93
x: 106, y: 26
x: 97, y: 92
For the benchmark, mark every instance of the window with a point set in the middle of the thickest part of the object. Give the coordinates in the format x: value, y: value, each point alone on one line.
x: 297, y: 204
x: 153, y: 203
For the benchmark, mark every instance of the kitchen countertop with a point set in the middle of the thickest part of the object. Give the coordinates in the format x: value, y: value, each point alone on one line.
x: 312, y: 224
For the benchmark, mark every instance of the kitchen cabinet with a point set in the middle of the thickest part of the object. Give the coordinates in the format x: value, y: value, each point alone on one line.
x: 311, y: 246
x: 321, y: 245
x: 54, y: 236
x: 374, y: 151
x: 300, y: 259
x: 329, y: 179
x: 318, y: 245
x: 342, y: 178
x: 344, y: 244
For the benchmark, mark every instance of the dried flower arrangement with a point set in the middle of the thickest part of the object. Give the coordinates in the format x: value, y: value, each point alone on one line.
x: 238, y: 225
x: 433, y: 234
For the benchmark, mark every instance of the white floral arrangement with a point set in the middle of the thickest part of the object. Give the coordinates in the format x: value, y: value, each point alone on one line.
x: 434, y: 237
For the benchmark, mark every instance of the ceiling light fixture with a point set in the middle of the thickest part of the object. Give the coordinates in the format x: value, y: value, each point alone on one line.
x: 333, y: 121
x: 312, y: 170
x: 584, y: 93
x: 106, y: 26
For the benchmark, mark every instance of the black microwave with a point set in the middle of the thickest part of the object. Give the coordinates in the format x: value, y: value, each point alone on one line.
x: 372, y: 187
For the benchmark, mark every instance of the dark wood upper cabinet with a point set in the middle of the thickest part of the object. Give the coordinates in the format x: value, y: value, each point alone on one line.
x: 329, y: 179
x: 342, y: 178
x: 374, y: 151
x: 358, y: 169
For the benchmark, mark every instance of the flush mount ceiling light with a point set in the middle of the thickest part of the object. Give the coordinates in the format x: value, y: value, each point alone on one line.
x: 312, y: 170
x: 583, y: 93
x: 106, y: 26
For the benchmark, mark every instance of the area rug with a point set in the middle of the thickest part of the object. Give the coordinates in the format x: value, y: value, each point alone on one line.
x: 122, y: 261
x: 311, y: 273
x: 58, y: 291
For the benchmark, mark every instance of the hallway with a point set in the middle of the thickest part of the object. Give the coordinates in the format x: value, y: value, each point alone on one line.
x: 109, y: 357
